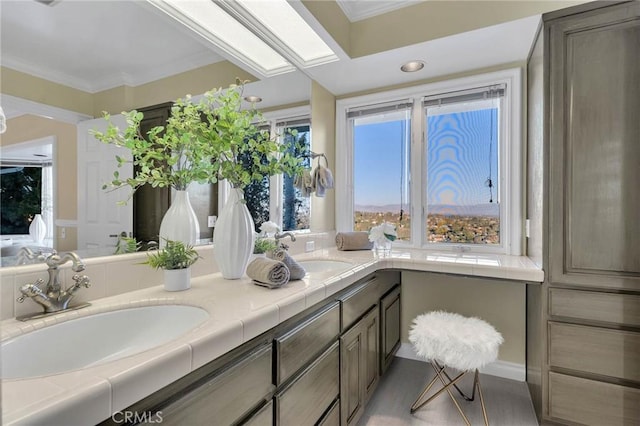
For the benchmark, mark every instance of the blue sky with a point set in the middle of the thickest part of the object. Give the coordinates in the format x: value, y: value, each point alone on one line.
x: 458, y: 157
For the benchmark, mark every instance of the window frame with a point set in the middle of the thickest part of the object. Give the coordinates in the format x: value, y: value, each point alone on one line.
x: 511, y: 170
x: 275, y: 182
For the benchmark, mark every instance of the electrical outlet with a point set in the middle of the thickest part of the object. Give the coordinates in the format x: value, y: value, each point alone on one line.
x: 211, y: 221
x: 527, y: 228
x: 309, y: 246
x: 63, y: 233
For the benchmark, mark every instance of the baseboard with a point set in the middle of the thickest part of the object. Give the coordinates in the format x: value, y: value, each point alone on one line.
x: 505, y: 369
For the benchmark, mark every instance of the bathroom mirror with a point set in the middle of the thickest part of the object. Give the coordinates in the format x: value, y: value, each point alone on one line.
x: 24, y: 61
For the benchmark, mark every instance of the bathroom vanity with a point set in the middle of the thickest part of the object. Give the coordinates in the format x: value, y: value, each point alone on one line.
x: 263, y: 354
x: 319, y: 367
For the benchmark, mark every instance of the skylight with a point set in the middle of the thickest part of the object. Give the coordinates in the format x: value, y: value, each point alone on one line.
x: 211, y: 22
x: 268, y: 36
x: 295, y: 35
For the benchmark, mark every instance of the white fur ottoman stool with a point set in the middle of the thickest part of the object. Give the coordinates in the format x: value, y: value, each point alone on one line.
x: 451, y: 340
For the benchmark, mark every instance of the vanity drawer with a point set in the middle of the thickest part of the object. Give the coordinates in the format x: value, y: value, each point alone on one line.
x: 594, y: 306
x: 332, y: 417
x: 305, y: 400
x: 228, y: 395
x: 591, y: 402
x: 298, y: 346
x: 613, y: 353
x: 264, y: 417
x: 358, y: 301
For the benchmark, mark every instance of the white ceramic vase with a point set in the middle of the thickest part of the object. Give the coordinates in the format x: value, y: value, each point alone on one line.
x: 37, y: 229
x: 233, y: 236
x: 177, y: 279
x: 179, y: 222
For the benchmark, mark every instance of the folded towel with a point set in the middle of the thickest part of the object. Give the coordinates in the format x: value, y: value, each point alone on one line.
x: 296, y: 272
x: 304, y: 183
x: 322, y: 180
x: 268, y: 272
x: 353, y: 241
x: 326, y: 177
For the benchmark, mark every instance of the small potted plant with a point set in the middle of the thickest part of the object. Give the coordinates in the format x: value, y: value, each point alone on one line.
x: 263, y: 244
x: 176, y: 259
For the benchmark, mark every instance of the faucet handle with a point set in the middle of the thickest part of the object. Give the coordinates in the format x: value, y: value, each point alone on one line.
x: 30, y: 290
x: 81, y: 280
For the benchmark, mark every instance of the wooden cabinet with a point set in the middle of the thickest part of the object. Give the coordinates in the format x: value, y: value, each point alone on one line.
x: 305, y: 400
x: 594, y: 148
x: 359, y: 357
x: 584, y: 145
x: 300, y: 345
x: 389, y: 327
x: 305, y: 371
x: 228, y: 395
x: 263, y: 417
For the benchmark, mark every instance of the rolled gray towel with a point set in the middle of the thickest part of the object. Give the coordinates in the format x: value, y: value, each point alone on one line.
x: 268, y: 272
x: 359, y: 240
x: 296, y: 272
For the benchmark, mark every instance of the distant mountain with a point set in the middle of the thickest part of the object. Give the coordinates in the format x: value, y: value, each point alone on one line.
x: 492, y: 209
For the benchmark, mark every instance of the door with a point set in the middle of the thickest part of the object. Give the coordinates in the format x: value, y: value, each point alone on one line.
x: 100, y: 217
x: 389, y: 328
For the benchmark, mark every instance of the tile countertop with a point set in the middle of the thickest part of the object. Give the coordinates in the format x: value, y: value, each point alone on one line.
x: 239, y: 311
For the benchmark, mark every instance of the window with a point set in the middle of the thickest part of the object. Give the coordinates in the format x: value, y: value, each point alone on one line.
x: 462, y: 194
x: 441, y: 161
x: 296, y: 208
x: 381, y: 146
x: 276, y: 198
x: 21, y: 189
x: 257, y: 195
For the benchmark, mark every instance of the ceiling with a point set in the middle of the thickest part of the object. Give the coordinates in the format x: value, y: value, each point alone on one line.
x: 97, y: 45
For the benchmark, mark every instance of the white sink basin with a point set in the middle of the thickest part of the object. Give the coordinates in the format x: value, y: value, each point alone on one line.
x: 96, y: 339
x: 323, y: 265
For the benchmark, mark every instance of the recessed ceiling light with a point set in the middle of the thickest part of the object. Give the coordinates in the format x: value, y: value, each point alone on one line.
x: 412, y: 66
x: 253, y: 99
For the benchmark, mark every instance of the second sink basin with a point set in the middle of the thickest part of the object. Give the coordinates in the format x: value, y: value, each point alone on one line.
x: 96, y: 339
x: 323, y: 265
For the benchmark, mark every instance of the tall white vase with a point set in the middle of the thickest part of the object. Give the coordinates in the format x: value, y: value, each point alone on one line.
x: 233, y: 236
x: 179, y: 222
x: 37, y: 229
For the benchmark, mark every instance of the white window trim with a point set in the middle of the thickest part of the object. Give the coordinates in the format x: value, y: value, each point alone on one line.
x: 510, y: 180
x: 276, y: 181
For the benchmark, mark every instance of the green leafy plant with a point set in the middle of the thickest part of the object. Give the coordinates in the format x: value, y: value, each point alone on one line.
x: 127, y: 245
x: 202, y: 142
x: 175, y: 255
x: 263, y: 245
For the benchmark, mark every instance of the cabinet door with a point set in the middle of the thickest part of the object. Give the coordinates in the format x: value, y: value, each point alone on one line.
x: 594, y: 148
x: 352, y: 348
x: 390, y: 328
x: 371, y: 331
x: 359, y: 360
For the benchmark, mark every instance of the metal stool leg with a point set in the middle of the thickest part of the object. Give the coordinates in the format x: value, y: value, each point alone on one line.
x: 484, y: 410
x: 446, y: 385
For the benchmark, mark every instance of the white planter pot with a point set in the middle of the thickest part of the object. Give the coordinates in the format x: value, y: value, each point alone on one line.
x: 37, y: 229
x: 179, y: 222
x: 233, y: 236
x: 177, y: 279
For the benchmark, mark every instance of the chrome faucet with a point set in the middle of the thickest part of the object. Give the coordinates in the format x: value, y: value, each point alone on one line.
x: 26, y: 255
x: 279, y: 236
x: 52, y: 297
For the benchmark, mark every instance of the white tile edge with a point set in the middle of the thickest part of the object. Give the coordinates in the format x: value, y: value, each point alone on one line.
x: 504, y: 369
